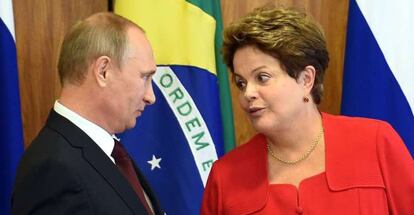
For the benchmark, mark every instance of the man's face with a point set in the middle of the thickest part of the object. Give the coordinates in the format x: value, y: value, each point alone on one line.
x: 132, y: 88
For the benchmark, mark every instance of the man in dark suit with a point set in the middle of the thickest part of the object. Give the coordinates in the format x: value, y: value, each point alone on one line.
x: 75, y: 165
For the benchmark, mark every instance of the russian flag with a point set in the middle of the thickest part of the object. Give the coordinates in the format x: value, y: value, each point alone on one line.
x: 11, y: 146
x: 379, y: 64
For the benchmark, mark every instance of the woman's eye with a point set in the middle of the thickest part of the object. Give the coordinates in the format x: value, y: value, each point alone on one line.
x: 262, y: 77
x: 240, y: 83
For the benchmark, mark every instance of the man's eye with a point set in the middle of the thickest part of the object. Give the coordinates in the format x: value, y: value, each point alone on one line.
x: 145, y: 77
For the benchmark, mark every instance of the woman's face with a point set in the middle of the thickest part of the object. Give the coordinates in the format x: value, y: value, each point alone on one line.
x: 270, y: 97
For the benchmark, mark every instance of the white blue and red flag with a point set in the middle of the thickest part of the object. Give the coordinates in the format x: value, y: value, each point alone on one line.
x: 11, y: 131
x: 379, y: 64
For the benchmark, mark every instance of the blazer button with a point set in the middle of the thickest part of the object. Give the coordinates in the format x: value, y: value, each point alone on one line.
x: 299, y: 210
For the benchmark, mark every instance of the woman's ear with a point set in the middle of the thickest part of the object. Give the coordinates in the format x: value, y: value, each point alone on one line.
x: 101, y: 69
x: 307, y: 77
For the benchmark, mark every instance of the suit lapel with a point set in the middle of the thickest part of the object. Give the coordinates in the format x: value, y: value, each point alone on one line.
x: 97, y: 159
x: 114, y: 177
x: 147, y: 188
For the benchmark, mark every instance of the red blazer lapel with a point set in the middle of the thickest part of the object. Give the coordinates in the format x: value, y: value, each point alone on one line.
x: 351, y: 158
x: 249, y: 164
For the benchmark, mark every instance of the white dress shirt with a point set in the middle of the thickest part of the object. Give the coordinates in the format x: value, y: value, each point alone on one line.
x: 101, y: 137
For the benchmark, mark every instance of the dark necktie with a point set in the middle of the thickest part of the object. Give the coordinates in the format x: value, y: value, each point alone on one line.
x: 124, y: 163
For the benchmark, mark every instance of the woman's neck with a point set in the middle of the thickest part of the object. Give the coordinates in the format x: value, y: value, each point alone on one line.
x: 297, y: 136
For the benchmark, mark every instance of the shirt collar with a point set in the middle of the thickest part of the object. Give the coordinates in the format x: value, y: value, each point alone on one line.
x: 101, y: 137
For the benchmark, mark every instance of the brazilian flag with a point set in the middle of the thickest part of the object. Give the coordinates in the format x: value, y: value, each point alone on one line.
x: 190, y: 126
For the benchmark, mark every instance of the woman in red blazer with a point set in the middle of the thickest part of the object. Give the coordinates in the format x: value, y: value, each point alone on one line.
x: 302, y: 161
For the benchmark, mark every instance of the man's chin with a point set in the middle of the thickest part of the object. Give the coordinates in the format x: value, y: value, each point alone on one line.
x: 138, y: 113
x: 131, y: 124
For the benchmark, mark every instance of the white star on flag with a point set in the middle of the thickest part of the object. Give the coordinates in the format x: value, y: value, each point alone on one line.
x: 155, y: 162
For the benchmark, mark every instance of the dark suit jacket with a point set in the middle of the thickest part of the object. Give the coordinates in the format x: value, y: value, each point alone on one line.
x: 65, y: 172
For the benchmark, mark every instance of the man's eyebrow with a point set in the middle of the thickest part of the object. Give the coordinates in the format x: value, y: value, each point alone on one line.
x: 152, y: 72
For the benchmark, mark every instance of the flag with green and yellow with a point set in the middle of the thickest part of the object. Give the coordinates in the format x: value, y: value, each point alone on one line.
x: 190, y: 126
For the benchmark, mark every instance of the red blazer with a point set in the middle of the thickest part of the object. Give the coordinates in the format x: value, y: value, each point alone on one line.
x: 362, y: 155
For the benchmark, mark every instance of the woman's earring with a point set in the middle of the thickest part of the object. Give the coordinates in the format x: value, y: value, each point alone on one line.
x: 305, y: 99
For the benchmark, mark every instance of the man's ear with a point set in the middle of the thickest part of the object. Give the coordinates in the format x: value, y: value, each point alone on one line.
x: 307, y: 78
x: 101, y: 69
